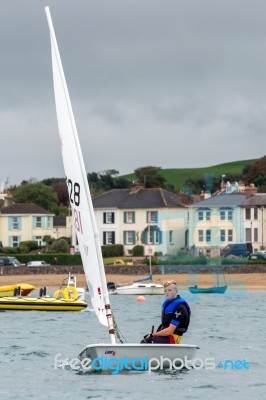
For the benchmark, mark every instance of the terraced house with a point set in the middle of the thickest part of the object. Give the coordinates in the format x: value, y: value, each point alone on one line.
x: 154, y: 218
x: 226, y: 219
x: 22, y: 222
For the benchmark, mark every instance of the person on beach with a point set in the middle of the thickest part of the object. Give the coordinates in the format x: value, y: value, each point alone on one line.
x: 175, y: 317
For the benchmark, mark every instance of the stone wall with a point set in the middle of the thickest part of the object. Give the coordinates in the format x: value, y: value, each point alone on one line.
x: 135, y: 270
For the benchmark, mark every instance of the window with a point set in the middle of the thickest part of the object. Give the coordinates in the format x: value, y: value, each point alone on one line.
x: 248, y: 213
x: 151, y: 235
x: 208, y: 235
x: 222, y: 215
x: 15, y: 224
x: 256, y: 234
x: 49, y: 222
x: 222, y: 235
x: 15, y: 241
x: 109, y: 237
x: 226, y: 214
x: 230, y: 235
x: 248, y: 235
x: 129, y: 237
x: 171, y: 239
x: 200, y: 215
x: 108, y: 217
x: 255, y: 213
x: 129, y: 217
x: 152, y: 216
x: 204, y: 214
x: 200, y: 236
x: 154, y: 237
x: 38, y: 223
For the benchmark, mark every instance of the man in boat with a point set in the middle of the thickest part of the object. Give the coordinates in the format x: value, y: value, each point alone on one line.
x: 175, y: 317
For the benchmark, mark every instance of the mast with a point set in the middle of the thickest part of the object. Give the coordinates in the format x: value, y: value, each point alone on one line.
x: 63, y: 104
x: 149, y: 236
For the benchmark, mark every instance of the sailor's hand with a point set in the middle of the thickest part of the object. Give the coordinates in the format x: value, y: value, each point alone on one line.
x: 148, y: 336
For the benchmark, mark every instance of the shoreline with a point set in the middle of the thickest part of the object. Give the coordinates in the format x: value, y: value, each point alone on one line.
x: 247, y: 281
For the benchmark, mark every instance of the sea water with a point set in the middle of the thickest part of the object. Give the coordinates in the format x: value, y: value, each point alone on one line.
x: 228, y: 326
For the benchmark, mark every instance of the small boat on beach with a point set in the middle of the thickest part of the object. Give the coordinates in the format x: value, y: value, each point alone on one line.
x: 212, y: 289
x: 11, y: 290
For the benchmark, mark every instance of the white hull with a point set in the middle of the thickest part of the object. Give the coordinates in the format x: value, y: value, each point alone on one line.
x: 141, y: 289
x: 152, y: 352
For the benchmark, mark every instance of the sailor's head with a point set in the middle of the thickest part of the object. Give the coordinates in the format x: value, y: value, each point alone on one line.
x: 170, y: 288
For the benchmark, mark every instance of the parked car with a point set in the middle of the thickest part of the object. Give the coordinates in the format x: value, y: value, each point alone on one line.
x: 10, y: 261
x: 37, y: 264
x: 237, y: 249
x: 259, y: 255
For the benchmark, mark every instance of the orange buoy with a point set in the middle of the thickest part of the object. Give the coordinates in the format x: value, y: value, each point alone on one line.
x: 140, y: 299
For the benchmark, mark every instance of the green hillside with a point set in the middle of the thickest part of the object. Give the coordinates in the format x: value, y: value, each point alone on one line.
x: 178, y: 176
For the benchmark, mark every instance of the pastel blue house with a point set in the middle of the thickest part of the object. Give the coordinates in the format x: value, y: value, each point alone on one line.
x: 216, y: 222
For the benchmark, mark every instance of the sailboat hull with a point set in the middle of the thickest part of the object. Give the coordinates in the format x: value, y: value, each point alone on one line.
x: 108, y: 354
x: 216, y: 289
x: 141, y: 289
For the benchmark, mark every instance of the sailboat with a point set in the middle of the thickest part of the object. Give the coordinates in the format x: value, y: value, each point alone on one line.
x: 140, y: 288
x: 87, y: 233
x: 212, y: 289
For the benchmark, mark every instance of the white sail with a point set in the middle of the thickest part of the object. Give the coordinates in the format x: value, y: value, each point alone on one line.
x: 79, y: 193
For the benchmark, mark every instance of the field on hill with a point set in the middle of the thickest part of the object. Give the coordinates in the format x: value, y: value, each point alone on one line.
x: 178, y: 176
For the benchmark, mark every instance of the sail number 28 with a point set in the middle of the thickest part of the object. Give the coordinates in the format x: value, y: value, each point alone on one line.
x: 74, y: 197
x: 74, y: 192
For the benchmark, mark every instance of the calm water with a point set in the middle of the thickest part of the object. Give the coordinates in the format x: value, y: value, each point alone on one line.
x: 229, y: 326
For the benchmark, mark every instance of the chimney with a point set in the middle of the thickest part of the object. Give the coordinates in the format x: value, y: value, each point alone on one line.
x: 136, y: 186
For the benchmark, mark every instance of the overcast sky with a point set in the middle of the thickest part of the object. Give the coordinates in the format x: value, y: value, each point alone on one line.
x: 169, y: 83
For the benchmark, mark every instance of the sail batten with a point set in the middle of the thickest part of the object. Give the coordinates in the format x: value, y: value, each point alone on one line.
x: 78, y: 188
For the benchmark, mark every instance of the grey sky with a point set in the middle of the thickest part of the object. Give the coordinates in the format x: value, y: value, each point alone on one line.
x: 170, y: 83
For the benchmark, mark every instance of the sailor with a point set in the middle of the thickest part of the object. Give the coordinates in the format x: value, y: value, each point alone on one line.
x: 175, y: 317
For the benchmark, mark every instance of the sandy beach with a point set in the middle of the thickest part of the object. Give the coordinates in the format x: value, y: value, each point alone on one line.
x: 252, y: 281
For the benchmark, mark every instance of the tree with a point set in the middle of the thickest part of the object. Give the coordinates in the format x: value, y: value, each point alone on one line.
x: 101, y: 182
x: 256, y: 173
x: 60, y: 188
x: 59, y: 246
x: 150, y: 177
x: 36, y: 193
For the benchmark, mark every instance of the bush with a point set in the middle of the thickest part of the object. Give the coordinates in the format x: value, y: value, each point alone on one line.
x: 53, y: 259
x: 112, y: 250
x: 27, y: 246
x: 183, y: 258
x: 138, y: 251
x: 10, y: 250
x: 60, y: 246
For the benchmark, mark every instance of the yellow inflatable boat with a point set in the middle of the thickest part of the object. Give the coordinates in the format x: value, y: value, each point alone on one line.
x: 63, y: 300
x: 10, y: 290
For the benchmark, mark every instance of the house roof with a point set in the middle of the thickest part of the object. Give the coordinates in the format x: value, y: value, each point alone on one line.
x: 256, y: 200
x: 24, y: 208
x: 137, y: 198
x: 222, y: 200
